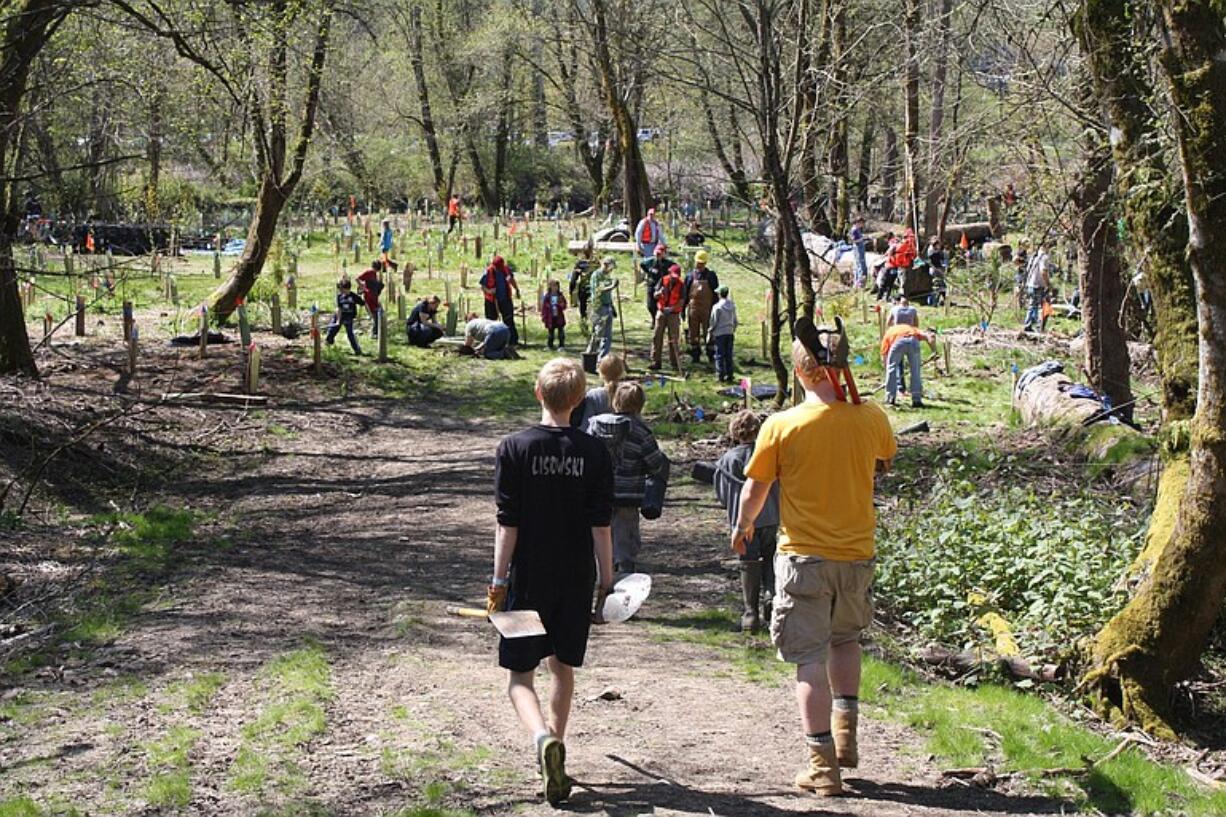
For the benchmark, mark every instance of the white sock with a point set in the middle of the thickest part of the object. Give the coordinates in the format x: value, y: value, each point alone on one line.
x: 540, y: 736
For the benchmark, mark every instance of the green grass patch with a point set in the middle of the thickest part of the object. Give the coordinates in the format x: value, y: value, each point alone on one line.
x: 194, y: 694
x: 20, y: 807
x: 169, y: 790
x: 298, y: 687
x: 989, y: 724
x: 1015, y: 732
x: 752, y: 656
x: 170, y: 784
x: 145, y: 538
x: 122, y: 690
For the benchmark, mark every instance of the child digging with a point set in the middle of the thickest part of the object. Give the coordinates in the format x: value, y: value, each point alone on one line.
x: 554, y: 487
x: 348, y: 303
x: 553, y: 313
x: 757, y: 562
x: 635, y: 457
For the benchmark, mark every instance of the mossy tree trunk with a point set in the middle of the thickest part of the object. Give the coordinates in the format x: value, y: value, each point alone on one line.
x: 1157, y: 639
x: 1149, y: 190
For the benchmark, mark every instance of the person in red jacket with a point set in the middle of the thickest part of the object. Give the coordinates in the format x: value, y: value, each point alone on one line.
x: 497, y: 283
x: 668, y: 317
x: 553, y: 313
x: 372, y: 288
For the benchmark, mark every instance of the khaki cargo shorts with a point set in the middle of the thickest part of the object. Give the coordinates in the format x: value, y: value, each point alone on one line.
x: 819, y: 602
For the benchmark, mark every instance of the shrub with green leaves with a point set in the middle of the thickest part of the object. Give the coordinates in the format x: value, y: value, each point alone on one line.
x: 1046, y: 562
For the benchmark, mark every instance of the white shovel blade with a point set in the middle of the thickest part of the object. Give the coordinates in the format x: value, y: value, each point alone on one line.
x: 626, y: 597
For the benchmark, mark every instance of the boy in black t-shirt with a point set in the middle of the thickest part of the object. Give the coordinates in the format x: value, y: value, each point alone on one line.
x: 554, y: 487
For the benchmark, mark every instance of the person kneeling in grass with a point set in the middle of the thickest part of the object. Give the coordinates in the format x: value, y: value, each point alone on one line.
x: 554, y: 492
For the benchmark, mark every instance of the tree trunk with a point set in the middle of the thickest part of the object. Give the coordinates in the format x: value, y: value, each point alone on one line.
x: 277, y: 178
x: 1100, y: 270
x: 26, y: 30
x: 734, y: 169
x: 1148, y: 190
x: 567, y: 56
x: 636, y: 189
x: 153, y: 154
x: 1157, y: 639
x: 418, y: 63
x: 839, y: 159
x: 502, y: 133
x: 911, y: 113
x: 815, y: 58
x: 936, y: 145
x: 889, y: 175
x: 260, y: 235
x: 864, y: 164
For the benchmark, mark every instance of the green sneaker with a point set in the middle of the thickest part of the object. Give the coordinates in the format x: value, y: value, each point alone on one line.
x: 553, y: 771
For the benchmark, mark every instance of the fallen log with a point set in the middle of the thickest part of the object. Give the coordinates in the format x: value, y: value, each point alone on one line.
x: 975, y: 232
x: 220, y: 398
x: 961, y: 663
x: 577, y: 247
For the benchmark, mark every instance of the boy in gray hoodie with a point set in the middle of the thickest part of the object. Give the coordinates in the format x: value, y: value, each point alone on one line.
x: 757, y: 563
x: 636, y: 456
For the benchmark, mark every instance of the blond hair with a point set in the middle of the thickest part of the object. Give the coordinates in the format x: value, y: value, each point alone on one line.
x: 561, y: 384
x: 628, y: 399
x: 805, y: 363
x: 611, y: 369
x: 743, y: 427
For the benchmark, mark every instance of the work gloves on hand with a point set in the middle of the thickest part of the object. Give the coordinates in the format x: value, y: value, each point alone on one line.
x: 495, y: 599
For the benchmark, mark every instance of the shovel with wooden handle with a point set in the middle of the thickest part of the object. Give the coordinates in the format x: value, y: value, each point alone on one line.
x: 509, y: 624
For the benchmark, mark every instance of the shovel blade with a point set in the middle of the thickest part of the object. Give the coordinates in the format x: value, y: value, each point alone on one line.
x: 518, y: 623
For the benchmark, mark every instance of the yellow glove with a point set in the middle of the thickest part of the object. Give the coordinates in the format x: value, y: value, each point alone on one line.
x: 495, y: 599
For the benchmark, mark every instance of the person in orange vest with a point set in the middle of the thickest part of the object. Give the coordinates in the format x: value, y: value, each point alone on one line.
x: 497, y: 283
x: 648, y: 234
x: 455, y: 215
x: 903, y: 341
x: 669, y: 303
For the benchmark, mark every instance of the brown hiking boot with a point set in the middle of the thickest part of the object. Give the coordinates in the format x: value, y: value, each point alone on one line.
x: 821, y: 776
x: 843, y: 725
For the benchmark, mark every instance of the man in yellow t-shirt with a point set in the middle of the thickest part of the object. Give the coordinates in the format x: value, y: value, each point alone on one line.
x: 824, y: 453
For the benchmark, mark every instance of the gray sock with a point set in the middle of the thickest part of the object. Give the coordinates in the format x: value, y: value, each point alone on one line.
x: 820, y: 739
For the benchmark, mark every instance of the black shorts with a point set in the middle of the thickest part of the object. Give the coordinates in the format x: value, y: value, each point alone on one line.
x: 566, y: 612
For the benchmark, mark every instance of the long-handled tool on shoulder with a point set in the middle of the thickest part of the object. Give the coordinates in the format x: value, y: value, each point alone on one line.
x: 509, y: 624
x: 617, y: 299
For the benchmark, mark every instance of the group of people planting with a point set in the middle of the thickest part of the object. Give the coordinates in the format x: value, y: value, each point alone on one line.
x: 569, y: 494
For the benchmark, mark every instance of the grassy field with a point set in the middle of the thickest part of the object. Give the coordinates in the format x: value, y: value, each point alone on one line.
x: 976, y: 393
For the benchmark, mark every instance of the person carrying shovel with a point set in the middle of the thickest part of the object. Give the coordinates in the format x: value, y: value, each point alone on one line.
x: 602, y: 286
x: 823, y: 453
x: 554, y: 493
x: 669, y: 303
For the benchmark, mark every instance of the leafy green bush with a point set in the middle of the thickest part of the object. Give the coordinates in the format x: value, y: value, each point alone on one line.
x: 1046, y: 562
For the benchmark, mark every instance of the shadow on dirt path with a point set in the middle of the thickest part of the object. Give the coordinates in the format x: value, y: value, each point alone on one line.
x: 344, y: 528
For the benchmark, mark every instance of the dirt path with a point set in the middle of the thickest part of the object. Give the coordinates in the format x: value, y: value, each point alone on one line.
x: 338, y: 541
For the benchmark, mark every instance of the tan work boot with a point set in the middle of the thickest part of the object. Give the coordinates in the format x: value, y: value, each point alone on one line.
x: 843, y: 725
x: 821, y: 776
